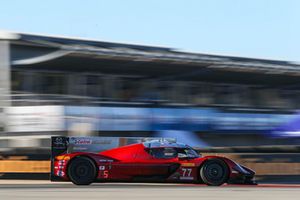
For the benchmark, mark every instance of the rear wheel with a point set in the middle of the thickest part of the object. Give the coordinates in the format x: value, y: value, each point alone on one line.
x: 214, y: 172
x: 82, y: 171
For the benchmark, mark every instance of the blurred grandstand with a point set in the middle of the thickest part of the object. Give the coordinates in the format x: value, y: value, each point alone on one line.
x: 54, y: 85
x: 62, y: 86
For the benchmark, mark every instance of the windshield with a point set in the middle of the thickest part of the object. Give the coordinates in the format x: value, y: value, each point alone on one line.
x: 169, y: 152
x: 187, y: 153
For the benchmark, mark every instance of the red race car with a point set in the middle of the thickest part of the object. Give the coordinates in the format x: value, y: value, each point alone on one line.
x: 149, y: 161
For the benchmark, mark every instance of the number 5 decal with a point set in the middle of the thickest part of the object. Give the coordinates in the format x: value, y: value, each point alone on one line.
x: 105, y: 174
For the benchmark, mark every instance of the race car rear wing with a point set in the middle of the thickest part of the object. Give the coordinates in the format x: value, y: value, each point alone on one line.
x: 62, y: 144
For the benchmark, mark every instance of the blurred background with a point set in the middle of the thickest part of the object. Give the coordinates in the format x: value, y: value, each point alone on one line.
x: 240, y: 107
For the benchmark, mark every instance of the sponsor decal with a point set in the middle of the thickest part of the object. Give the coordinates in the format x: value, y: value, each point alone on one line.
x: 104, y: 160
x: 108, y: 141
x: 83, y: 141
x: 188, y: 164
x: 60, y: 173
x: 58, y: 141
x: 101, y: 167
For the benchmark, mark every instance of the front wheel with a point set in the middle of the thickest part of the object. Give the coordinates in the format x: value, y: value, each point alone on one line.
x: 82, y: 171
x: 214, y: 172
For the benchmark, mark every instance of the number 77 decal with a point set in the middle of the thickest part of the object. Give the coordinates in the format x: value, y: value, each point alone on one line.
x: 186, y: 173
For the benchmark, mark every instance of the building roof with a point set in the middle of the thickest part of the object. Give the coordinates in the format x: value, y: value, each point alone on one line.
x: 61, y: 53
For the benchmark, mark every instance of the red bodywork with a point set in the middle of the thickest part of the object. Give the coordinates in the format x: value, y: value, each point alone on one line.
x: 135, y: 163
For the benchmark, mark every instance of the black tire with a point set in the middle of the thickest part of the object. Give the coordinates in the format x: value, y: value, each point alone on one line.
x: 82, y: 171
x: 214, y: 172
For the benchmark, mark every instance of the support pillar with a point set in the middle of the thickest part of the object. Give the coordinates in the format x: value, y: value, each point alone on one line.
x: 5, y: 80
x: 4, y: 74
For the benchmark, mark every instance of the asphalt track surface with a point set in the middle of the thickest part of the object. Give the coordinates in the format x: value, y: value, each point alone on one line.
x: 19, y: 189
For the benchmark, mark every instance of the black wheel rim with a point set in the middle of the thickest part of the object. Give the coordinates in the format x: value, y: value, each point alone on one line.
x: 82, y: 170
x: 214, y: 172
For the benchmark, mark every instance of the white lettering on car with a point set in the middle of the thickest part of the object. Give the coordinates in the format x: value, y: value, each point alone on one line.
x: 186, y: 174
